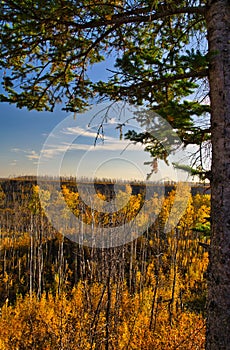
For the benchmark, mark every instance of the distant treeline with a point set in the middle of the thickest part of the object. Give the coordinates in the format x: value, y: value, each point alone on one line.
x: 104, y: 186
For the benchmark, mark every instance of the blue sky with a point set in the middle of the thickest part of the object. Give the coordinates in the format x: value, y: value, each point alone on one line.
x: 69, y: 149
x: 22, y: 134
x: 24, y: 145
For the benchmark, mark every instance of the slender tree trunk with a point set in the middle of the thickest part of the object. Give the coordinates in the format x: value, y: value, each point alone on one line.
x: 218, y: 299
x: 108, y: 309
x: 131, y: 268
x: 31, y: 256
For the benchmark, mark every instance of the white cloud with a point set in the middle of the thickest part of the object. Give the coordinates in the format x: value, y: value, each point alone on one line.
x: 14, y: 162
x: 32, y: 155
x: 16, y: 150
x: 29, y: 154
x: 76, y: 130
x: 108, y: 144
x: 54, y: 150
x: 112, y: 121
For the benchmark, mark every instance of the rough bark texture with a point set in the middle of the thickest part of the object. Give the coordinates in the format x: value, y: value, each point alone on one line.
x: 218, y: 300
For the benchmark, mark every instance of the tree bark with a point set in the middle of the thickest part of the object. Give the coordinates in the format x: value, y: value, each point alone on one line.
x: 218, y: 298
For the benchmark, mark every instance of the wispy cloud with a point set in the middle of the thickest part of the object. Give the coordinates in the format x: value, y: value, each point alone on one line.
x: 112, y: 121
x: 14, y: 162
x: 76, y: 130
x: 31, y: 155
x: 110, y: 144
x: 50, y: 151
x: 16, y: 150
x: 56, y: 148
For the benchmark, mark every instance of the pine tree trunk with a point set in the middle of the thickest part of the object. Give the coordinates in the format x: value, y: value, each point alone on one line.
x: 218, y: 299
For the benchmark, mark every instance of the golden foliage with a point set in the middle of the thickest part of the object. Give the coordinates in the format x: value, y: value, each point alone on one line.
x: 148, y: 295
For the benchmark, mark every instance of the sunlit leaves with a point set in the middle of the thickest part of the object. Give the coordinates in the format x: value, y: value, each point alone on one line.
x: 147, y: 293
